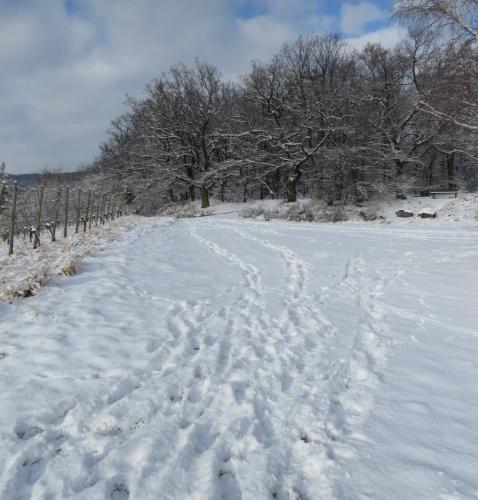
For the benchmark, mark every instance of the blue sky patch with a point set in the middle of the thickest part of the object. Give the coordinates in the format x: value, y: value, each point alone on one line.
x: 249, y: 10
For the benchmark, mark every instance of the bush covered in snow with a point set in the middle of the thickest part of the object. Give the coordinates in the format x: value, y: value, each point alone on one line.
x: 185, y: 211
x: 300, y: 211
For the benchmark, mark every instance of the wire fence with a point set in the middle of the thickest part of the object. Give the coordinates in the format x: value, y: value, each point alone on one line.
x: 43, y: 213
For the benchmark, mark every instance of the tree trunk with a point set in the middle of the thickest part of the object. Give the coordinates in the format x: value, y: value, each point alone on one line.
x: 190, y: 174
x: 399, y: 194
x: 223, y: 190
x: 450, y: 167
x: 172, y: 196
x: 291, y: 186
x: 204, y: 198
x: 244, y: 192
x: 291, y: 190
x: 339, y: 189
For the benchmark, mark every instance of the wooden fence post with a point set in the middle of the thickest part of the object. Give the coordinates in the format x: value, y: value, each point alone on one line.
x: 57, y: 213
x: 78, y: 208
x: 65, y: 228
x: 2, y: 190
x: 98, y: 208
x: 113, y: 207
x: 85, y: 222
x: 11, y: 234
x: 93, y: 199
x: 105, y: 208
x: 110, y: 206
x: 36, y: 241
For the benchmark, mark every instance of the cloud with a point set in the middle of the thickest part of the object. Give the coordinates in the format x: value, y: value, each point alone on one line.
x: 263, y: 35
x: 355, y: 17
x: 66, y: 65
x: 387, y: 37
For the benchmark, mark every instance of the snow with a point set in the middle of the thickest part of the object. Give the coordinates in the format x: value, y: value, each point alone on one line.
x: 23, y: 273
x: 464, y: 208
x: 220, y: 357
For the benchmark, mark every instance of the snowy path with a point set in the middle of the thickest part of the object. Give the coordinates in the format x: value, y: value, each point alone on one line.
x: 222, y: 358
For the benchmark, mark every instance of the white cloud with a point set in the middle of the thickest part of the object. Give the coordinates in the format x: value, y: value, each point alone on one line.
x: 262, y: 36
x: 64, y: 75
x: 355, y: 17
x: 387, y: 37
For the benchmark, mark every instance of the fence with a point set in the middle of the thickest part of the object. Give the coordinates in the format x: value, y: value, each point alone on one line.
x: 41, y: 212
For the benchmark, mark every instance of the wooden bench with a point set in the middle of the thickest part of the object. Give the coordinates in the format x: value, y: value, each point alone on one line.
x: 434, y: 194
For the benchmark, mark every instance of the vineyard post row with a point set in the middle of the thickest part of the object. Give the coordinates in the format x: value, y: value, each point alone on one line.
x: 32, y: 212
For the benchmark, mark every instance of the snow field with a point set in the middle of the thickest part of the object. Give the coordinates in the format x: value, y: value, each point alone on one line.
x: 226, y: 358
x: 23, y: 273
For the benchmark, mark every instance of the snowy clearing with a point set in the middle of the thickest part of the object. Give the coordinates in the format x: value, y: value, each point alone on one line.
x: 228, y: 358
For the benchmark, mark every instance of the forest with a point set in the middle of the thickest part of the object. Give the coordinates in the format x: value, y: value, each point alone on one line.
x: 320, y: 120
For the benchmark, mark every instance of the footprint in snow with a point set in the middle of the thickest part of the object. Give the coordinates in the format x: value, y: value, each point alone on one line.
x: 239, y: 388
x: 108, y: 428
x: 120, y: 491
x: 228, y: 485
x: 25, y: 432
x: 203, y: 437
x: 137, y: 424
x: 152, y: 345
x: 33, y: 469
x: 194, y: 395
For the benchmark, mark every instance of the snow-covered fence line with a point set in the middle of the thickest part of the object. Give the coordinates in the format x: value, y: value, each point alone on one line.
x: 39, y: 213
x: 26, y: 271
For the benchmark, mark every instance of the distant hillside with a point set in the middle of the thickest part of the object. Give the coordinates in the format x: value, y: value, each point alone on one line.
x: 27, y: 180
x: 24, y: 180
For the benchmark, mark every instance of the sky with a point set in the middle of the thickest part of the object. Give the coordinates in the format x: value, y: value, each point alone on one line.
x: 67, y: 65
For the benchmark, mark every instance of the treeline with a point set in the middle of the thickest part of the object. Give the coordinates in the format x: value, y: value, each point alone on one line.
x: 320, y: 119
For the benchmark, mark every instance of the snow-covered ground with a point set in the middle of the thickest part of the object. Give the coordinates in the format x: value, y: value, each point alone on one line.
x: 382, y: 211
x: 228, y: 358
x: 23, y: 273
